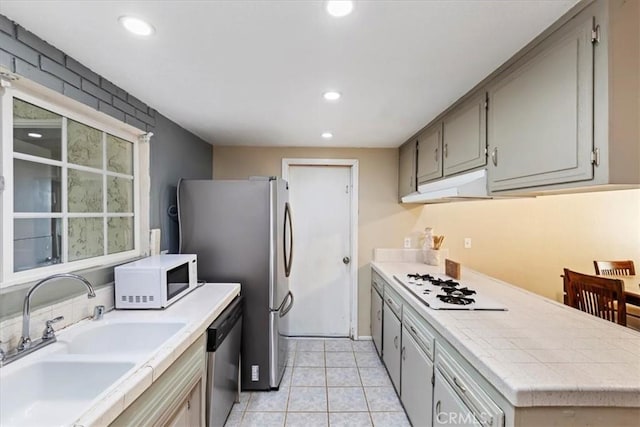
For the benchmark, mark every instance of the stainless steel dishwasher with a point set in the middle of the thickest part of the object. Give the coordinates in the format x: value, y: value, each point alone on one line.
x: 223, y: 357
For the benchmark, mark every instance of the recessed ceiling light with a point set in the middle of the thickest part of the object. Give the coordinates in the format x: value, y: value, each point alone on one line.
x: 327, y: 135
x: 34, y: 135
x: 136, y: 26
x: 339, y: 8
x: 332, y: 95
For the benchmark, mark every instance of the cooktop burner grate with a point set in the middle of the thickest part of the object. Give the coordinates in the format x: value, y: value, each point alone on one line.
x: 458, y: 292
x: 433, y: 280
x: 457, y: 300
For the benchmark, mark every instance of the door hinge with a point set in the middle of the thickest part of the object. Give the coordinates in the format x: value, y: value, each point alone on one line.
x: 486, y: 104
x: 595, y: 157
x: 595, y: 33
x: 433, y: 379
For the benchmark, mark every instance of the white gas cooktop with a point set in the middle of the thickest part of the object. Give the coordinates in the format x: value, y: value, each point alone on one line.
x: 444, y: 293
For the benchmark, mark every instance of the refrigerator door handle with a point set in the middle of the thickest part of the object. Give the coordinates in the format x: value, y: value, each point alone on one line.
x: 284, y: 310
x: 288, y: 255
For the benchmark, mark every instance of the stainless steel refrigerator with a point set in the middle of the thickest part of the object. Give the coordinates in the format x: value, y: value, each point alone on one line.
x: 242, y: 232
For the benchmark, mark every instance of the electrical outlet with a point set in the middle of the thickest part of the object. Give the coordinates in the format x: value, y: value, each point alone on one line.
x: 407, y: 242
x: 467, y: 242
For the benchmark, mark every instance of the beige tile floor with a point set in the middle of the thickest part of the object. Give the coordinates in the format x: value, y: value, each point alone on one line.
x: 328, y: 382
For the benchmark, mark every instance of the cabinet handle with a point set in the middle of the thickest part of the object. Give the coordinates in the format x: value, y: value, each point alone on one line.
x: 379, y: 318
x: 436, y: 155
x: 392, y: 304
x: 403, y: 353
x: 418, y: 337
x: 460, y: 385
x: 446, y: 150
x: 438, y: 407
x: 395, y: 341
x: 494, y: 156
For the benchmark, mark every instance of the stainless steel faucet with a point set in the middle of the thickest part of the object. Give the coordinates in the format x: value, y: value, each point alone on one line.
x: 25, y: 339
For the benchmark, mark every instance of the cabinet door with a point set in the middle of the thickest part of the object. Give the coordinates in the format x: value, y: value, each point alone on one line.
x: 540, y: 118
x: 417, y: 389
x: 430, y: 154
x: 464, y: 137
x: 407, y: 169
x: 376, y: 320
x: 449, y: 409
x: 189, y: 412
x: 391, y: 344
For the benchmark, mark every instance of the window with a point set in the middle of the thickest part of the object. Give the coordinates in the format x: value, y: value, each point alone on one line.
x: 71, y: 198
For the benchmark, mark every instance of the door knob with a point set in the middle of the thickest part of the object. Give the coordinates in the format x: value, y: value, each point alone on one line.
x: 346, y: 260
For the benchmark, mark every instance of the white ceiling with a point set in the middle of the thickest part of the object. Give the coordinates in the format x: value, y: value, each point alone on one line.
x: 253, y: 72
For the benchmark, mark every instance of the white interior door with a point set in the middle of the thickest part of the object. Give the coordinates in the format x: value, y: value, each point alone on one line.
x: 320, y: 278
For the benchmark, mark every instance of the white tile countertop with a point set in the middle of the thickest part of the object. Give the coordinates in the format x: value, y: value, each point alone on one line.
x: 196, y: 311
x: 539, y: 352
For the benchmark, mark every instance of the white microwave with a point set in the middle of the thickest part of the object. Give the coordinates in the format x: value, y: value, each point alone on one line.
x: 155, y: 282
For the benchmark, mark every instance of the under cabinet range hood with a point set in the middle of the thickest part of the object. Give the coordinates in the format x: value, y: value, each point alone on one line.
x: 468, y: 186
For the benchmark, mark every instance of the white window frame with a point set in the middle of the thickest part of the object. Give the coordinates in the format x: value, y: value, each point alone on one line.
x: 57, y: 103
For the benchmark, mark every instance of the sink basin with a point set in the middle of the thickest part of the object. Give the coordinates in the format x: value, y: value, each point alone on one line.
x: 49, y: 391
x: 125, y: 337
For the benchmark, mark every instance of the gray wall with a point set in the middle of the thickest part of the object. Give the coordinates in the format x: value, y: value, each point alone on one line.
x: 175, y: 152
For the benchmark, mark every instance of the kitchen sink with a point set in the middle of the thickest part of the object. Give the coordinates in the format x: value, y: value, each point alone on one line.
x: 50, y: 392
x: 122, y: 337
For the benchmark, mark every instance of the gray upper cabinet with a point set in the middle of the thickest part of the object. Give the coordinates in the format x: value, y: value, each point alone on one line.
x: 430, y: 154
x: 407, y: 169
x: 464, y: 136
x: 540, y: 119
x: 561, y: 115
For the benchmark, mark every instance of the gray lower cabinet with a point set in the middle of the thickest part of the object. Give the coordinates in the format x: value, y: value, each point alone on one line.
x: 430, y: 154
x: 540, y: 118
x: 176, y: 397
x: 464, y: 136
x: 376, y: 319
x: 416, y: 386
x: 450, y: 410
x: 407, y: 169
x: 391, y: 336
x: 458, y: 398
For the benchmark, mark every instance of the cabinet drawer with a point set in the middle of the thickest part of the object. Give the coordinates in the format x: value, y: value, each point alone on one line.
x: 483, y: 408
x: 377, y: 282
x: 419, y: 331
x: 393, y: 300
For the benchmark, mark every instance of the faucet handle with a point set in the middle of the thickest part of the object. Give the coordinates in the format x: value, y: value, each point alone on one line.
x: 48, y: 330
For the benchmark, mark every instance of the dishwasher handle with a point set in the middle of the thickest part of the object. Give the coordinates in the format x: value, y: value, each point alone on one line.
x: 224, y: 323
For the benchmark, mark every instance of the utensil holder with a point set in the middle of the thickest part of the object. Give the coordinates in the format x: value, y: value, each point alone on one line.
x: 435, y: 256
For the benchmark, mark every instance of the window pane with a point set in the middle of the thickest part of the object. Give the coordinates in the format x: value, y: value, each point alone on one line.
x: 120, y: 234
x: 84, y: 191
x: 36, y: 242
x: 36, y: 131
x: 84, y: 145
x: 119, y: 155
x: 86, y: 238
x: 36, y: 187
x: 119, y: 195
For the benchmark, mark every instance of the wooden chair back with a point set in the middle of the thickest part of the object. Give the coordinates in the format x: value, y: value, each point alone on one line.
x: 614, y: 268
x: 596, y: 295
